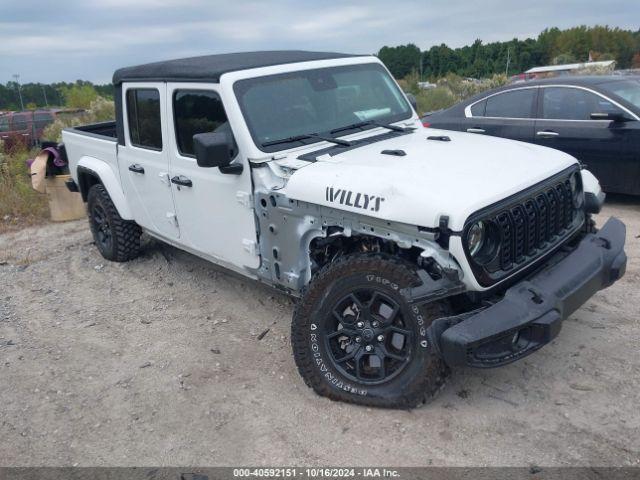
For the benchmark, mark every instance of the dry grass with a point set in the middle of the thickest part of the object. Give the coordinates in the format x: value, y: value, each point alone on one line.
x: 20, y: 205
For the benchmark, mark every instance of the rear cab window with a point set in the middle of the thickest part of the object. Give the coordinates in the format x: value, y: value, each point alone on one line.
x: 143, y: 116
x: 196, y: 111
x: 4, y: 124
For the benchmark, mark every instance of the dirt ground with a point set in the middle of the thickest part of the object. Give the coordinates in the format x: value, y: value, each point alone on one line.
x: 165, y: 361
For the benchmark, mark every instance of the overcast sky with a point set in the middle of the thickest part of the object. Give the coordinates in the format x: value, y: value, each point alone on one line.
x: 66, y: 40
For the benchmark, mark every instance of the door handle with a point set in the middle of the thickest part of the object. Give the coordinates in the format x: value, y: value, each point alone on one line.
x: 135, y: 168
x: 547, y: 134
x: 182, y: 181
x: 475, y: 130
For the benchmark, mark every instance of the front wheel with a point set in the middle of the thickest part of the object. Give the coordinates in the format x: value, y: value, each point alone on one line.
x: 356, y: 338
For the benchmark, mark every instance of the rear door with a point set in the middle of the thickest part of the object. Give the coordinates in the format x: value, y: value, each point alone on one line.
x: 565, y: 123
x: 508, y: 114
x: 214, y: 209
x: 144, y: 160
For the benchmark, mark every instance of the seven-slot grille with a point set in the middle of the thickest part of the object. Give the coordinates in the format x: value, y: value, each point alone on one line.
x: 530, y: 226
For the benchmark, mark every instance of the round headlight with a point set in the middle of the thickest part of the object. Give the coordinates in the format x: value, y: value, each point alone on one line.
x: 475, y: 238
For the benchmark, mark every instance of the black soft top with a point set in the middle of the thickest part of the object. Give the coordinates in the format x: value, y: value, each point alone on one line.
x: 209, y: 68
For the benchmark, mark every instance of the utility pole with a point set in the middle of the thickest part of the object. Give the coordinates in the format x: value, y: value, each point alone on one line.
x: 17, y: 79
x: 44, y: 92
x: 506, y: 70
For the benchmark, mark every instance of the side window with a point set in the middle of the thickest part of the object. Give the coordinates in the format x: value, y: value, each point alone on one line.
x: 143, y: 113
x: 4, y: 124
x: 562, y: 103
x: 477, y: 110
x: 20, y: 121
x: 196, y: 111
x: 41, y: 119
x: 512, y: 104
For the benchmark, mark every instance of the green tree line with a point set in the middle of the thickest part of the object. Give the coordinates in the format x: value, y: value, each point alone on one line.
x: 552, y: 46
x: 40, y: 95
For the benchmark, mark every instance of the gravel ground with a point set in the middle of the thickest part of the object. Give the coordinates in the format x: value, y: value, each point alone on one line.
x: 169, y: 361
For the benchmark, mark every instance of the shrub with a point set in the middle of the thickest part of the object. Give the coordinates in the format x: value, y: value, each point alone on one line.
x: 19, y: 203
x: 434, y: 99
x: 79, y: 96
x: 99, y: 110
x: 102, y: 110
x: 450, y: 90
x: 53, y: 131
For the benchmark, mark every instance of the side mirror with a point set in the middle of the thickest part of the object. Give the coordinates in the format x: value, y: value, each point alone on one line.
x: 613, y: 116
x: 216, y: 149
x: 412, y: 100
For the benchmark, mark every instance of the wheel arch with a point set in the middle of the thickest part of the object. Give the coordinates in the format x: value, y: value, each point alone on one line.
x: 92, y: 171
x: 296, y: 239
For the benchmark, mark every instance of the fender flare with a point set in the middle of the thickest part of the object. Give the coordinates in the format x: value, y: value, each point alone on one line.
x: 109, y: 180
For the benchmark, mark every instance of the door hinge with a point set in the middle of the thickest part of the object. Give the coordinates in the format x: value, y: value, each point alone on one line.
x: 172, y: 218
x: 245, y: 199
x: 250, y: 246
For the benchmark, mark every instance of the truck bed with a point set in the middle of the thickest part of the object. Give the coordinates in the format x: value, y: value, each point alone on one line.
x: 91, y: 146
x: 102, y: 129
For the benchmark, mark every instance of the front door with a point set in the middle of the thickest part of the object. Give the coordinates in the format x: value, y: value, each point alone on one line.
x: 144, y: 160
x: 214, y: 210
x: 564, y: 122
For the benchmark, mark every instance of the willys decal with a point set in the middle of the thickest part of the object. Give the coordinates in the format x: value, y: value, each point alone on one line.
x: 354, y: 199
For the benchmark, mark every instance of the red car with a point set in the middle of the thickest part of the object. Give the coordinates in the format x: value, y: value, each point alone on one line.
x: 24, y: 127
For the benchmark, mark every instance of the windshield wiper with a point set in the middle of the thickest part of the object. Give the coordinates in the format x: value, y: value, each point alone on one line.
x: 366, y: 123
x: 297, y: 138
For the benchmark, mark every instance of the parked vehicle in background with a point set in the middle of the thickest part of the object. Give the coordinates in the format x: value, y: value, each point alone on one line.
x: 595, y: 119
x: 311, y: 172
x: 26, y: 127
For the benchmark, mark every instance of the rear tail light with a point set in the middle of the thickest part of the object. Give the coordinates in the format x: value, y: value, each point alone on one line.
x: 426, y: 124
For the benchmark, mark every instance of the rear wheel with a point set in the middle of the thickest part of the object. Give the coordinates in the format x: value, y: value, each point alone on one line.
x: 356, y: 338
x: 117, y: 239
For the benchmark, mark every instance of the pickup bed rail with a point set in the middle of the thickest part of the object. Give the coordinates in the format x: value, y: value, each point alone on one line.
x: 102, y: 129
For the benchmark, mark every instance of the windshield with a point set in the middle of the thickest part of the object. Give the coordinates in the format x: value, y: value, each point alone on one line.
x: 293, y: 105
x: 628, y: 90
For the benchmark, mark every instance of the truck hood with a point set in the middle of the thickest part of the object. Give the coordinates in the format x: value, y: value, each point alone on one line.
x: 434, y: 178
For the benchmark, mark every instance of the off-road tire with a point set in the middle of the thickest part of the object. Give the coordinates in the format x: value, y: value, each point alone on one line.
x: 124, y: 244
x: 425, y: 372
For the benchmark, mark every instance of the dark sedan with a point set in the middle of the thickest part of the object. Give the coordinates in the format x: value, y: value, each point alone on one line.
x: 595, y: 119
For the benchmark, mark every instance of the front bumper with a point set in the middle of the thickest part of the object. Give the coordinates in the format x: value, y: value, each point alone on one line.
x: 531, y: 312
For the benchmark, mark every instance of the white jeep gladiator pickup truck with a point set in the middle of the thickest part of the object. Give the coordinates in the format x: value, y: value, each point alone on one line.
x: 410, y: 250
